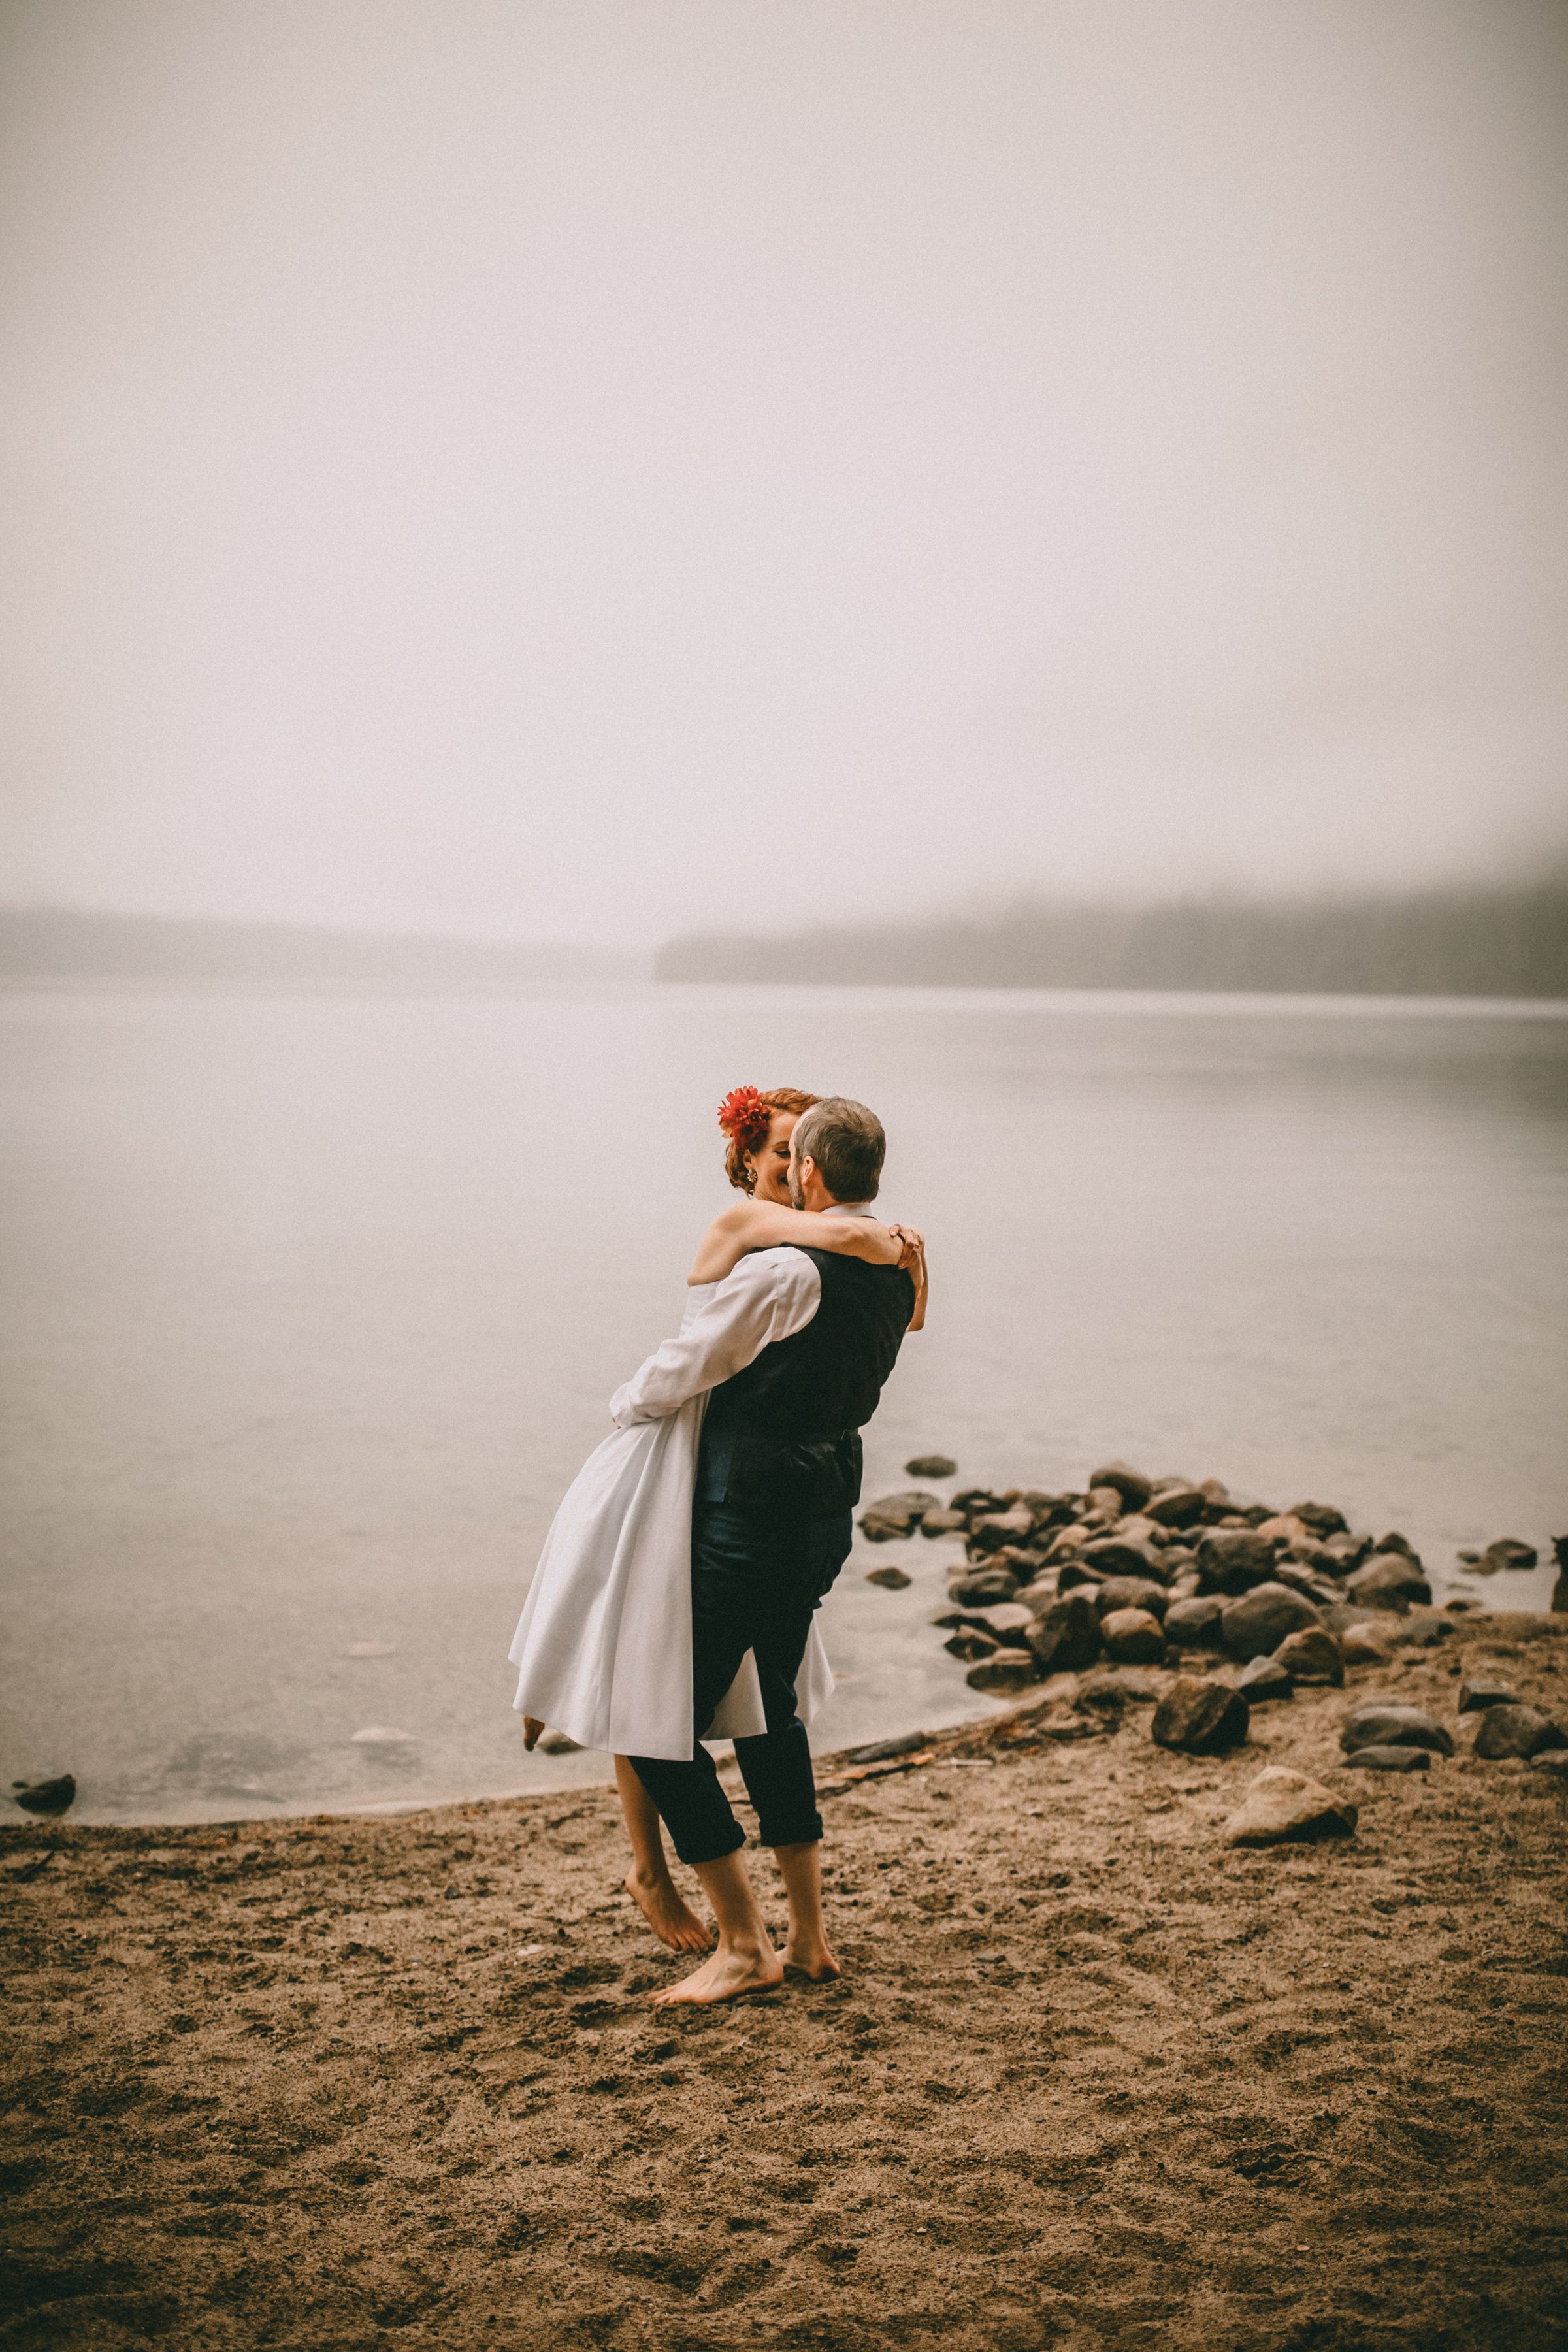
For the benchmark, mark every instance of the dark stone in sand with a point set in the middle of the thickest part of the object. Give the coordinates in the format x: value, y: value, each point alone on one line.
x: 1264, y: 1678
x: 1009, y: 1670
x: 1131, y: 1485
x: 896, y: 1515
x: 881, y: 1751
x: 1388, y: 1580
x: 1177, y: 1506
x: 1511, y: 1728
x: 1232, y: 1559
x: 1131, y: 1593
x: 893, y: 1578
x: 1132, y: 1637
x: 931, y: 1465
x: 974, y: 1500
x: 1125, y: 1555
x: 1007, y: 1620
x: 985, y: 1584
x: 1475, y: 1697
x: 1255, y: 1625
x: 1321, y: 1518
x: 971, y: 1642
x: 1388, y: 1759
x: 1508, y: 1552
x: 1066, y: 1637
x: 1311, y: 1655
x: 1388, y: 1723
x: 943, y: 1523
x: 1194, y: 1624
x: 1200, y: 1718
x: 1114, y: 1686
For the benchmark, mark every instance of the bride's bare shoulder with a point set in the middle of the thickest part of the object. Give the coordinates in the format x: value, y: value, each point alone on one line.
x: 727, y: 1239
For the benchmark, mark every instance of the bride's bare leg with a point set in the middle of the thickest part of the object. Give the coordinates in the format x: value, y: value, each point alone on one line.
x: 648, y: 1882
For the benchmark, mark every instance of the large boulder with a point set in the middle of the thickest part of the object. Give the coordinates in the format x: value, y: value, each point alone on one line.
x: 1117, y: 1556
x: 1200, y: 1718
x: 1131, y: 1592
x: 1131, y: 1485
x: 1255, y: 1625
x: 1311, y: 1655
x: 1388, y: 1723
x: 1284, y: 1807
x: 1065, y: 1636
x: 1176, y: 1505
x: 1005, y: 1671
x: 1389, y: 1580
x: 1514, y: 1729
x: 1194, y: 1624
x: 1132, y: 1637
x: 1232, y: 1559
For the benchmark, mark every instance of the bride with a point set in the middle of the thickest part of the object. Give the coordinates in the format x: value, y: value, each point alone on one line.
x: 604, y: 1645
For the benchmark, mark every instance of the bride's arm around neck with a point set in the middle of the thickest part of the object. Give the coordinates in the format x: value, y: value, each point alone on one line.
x: 760, y: 1224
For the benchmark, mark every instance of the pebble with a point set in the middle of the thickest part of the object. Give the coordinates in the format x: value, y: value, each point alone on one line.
x: 1200, y: 1718
x: 892, y: 1579
x: 1511, y: 1728
x: 1282, y: 1807
x: 931, y: 1465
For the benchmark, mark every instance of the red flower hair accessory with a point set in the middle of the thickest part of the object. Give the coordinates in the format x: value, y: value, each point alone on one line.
x: 745, y: 1117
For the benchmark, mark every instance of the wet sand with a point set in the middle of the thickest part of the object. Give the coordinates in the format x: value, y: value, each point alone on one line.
x: 1089, y: 2080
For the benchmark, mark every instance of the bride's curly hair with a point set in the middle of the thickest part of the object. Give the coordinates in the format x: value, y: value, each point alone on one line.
x: 745, y: 1116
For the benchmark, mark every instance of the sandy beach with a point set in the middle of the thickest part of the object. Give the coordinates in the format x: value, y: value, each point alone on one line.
x: 1090, y: 2079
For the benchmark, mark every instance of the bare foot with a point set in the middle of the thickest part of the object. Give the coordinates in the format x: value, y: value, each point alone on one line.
x: 726, y: 1977
x: 533, y: 1726
x: 672, y: 1920
x: 817, y: 1960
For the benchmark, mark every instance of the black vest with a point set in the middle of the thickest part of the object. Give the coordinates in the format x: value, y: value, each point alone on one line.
x: 783, y: 1437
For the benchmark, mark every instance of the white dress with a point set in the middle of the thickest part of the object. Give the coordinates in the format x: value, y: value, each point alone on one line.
x: 603, y: 1645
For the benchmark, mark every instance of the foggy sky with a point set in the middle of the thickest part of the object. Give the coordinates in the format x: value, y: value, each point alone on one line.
x: 590, y: 470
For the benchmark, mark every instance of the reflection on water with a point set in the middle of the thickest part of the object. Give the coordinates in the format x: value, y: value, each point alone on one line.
x: 313, y: 1308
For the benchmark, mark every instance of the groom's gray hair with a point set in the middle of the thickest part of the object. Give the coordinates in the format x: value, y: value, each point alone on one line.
x: 846, y: 1141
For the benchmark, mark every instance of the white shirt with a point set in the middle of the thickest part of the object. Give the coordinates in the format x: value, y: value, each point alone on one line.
x: 771, y: 1294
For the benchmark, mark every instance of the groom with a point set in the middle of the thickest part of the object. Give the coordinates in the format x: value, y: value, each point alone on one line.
x: 796, y: 1345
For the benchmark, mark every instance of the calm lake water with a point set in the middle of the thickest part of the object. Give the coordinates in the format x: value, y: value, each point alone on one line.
x: 312, y: 1307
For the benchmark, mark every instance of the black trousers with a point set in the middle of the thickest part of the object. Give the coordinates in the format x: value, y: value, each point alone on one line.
x: 755, y: 1582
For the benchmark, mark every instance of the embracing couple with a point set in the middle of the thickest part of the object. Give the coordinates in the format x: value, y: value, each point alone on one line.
x: 674, y: 1598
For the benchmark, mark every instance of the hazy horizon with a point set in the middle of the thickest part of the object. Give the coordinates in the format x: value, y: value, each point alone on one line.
x: 589, y: 474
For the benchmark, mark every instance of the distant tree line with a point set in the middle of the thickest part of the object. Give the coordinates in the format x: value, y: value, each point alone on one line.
x: 1449, y: 943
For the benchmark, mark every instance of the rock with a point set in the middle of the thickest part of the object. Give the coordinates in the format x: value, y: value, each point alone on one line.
x: 1283, y: 1529
x: 1072, y: 1576
x: 1009, y: 1670
x: 1255, y: 1625
x: 1187, y: 1586
x: 1107, y: 1501
x: 1316, y: 1587
x: 931, y: 1465
x: 1200, y: 1718
x: 1508, y: 1552
x: 999, y: 1528
x: 1131, y: 1485
x: 1110, y: 1685
x: 1131, y: 1593
x: 942, y: 1523
x: 1511, y: 1728
x: 1215, y: 1493
x: 1388, y: 1759
x: 1006, y: 1619
x: 882, y: 1751
x: 1066, y: 1637
x: 1364, y: 1645
x: 1137, y: 1527
x: 1470, y: 1559
x: 1388, y: 1580
x: 1284, y: 1807
x: 1177, y: 1506
x: 893, y: 1578
x: 1395, y: 1541
x: 985, y: 1584
x: 1132, y: 1637
x: 1116, y: 1556
x: 1311, y: 1655
x: 1422, y: 1628
x: 48, y: 1796
x: 1389, y: 1723
x: 1475, y: 1697
x: 971, y: 1642
x: 974, y: 1500
x: 1264, y: 1678
x: 1234, y: 1560
x: 1320, y: 1517
x: 896, y: 1515
x: 1194, y: 1624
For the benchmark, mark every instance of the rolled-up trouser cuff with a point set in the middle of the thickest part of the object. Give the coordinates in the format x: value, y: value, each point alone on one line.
x: 781, y: 1831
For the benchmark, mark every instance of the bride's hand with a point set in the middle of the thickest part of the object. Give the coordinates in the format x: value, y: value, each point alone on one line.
x: 912, y: 1248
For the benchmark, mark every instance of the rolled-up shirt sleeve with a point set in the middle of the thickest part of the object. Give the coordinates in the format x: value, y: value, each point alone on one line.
x: 769, y: 1295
